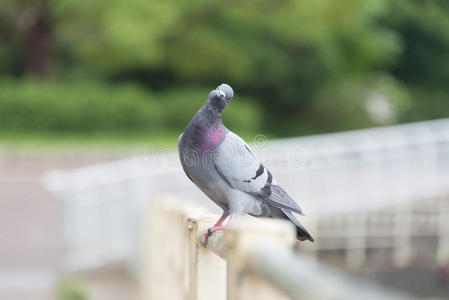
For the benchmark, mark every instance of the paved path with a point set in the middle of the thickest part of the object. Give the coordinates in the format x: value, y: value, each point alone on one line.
x: 30, y: 223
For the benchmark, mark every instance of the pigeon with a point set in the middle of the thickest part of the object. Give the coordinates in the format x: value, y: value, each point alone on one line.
x: 225, y: 168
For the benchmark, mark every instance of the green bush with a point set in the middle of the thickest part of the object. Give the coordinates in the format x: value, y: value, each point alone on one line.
x: 82, y: 107
x: 70, y: 289
x: 180, y: 106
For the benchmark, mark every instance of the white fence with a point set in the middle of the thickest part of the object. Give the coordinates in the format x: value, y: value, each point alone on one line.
x: 349, y: 179
x: 396, y: 227
x: 253, y: 259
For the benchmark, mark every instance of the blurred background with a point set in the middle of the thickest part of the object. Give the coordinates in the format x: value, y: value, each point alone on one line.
x: 94, y: 94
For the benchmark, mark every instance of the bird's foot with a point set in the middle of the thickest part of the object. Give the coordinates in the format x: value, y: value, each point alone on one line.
x: 210, y: 232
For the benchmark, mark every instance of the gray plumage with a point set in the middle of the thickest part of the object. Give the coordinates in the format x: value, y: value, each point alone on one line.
x: 223, y: 166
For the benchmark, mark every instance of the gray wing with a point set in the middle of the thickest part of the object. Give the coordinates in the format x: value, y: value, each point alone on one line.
x: 240, y: 168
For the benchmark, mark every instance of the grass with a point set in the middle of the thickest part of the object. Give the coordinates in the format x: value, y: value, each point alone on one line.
x: 107, y: 143
x: 77, y: 142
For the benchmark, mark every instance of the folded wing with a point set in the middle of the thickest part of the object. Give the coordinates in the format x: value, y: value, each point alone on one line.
x: 240, y: 168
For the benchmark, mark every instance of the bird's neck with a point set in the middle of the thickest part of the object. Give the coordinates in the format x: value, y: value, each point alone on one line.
x: 206, y: 131
x: 211, y: 112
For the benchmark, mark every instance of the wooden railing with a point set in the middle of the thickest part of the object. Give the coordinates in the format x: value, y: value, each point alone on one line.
x: 252, y: 260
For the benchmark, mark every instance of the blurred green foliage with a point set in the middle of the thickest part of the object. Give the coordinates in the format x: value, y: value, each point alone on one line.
x: 70, y: 289
x: 304, y: 66
x: 85, y: 106
x: 424, y: 63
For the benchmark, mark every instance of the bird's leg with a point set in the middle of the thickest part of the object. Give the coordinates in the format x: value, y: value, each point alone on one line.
x: 216, y: 227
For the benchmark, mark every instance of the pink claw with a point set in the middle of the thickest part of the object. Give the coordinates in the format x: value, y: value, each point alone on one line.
x: 216, y: 227
x: 210, y: 232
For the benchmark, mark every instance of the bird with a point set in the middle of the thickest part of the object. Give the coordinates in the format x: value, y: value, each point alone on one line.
x: 224, y: 167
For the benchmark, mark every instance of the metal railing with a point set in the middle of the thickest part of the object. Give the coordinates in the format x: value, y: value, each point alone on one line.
x: 252, y: 259
x: 396, y: 228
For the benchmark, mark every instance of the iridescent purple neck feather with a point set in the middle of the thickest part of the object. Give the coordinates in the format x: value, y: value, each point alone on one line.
x: 206, y: 130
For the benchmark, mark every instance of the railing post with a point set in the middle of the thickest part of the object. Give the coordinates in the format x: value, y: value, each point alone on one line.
x: 402, y: 253
x: 162, y: 266
x: 356, y: 240
x: 443, y: 235
x: 166, y: 250
x: 241, y: 236
x: 165, y: 256
x: 207, y: 271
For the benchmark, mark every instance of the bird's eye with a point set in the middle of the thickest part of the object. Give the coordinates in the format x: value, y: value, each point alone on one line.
x: 222, y: 93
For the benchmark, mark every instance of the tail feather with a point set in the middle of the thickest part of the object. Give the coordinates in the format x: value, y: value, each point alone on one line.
x: 301, y: 233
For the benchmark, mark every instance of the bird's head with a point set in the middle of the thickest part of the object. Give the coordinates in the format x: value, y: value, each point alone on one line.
x: 221, y: 96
